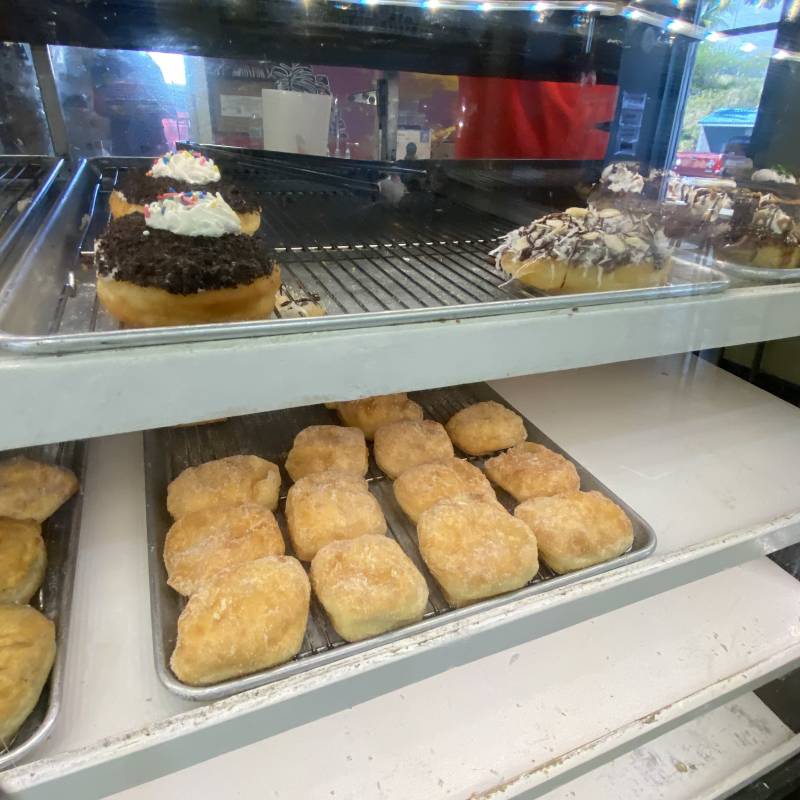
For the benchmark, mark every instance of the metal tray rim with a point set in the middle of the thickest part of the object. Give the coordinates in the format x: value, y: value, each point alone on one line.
x: 92, y: 341
x: 376, y: 643
x: 197, y: 334
x: 752, y: 274
x: 56, y: 679
x: 295, y: 667
x: 9, y: 238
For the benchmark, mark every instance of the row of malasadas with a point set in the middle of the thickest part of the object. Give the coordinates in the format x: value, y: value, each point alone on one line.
x: 249, y: 602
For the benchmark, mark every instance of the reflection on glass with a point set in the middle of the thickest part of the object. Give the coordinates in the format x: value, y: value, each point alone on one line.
x: 120, y: 102
x: 23, y: 126
x: 727, y: 82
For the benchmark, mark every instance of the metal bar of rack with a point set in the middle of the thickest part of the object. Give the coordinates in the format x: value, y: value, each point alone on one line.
x: 25, y: 181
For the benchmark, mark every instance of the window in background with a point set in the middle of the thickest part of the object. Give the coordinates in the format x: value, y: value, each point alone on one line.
x: 23, y: 125
x: 122, y: 102
x: 727, y: 82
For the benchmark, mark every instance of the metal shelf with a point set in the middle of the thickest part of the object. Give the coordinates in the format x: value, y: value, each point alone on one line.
x: 372, y: 263
x: 117, y: 391
x: 675, y: 437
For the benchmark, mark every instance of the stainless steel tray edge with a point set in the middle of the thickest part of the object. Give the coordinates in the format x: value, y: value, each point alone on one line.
x: 86, y: 342
x: 154, y: 486
x: 741, y: 271
x: 30, y: 292
x: 67, y: 522
x: 9, y: 239
x: 64, y: 219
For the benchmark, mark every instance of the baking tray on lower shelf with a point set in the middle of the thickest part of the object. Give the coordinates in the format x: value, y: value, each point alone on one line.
x: 54, y: 598
x: 373, y: 263
x: 168, y: 451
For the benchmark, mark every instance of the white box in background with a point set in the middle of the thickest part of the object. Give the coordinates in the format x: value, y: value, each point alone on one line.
x: 296, y: 122
x: 421, y: 137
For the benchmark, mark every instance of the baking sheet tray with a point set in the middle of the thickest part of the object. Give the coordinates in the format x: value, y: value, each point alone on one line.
x: 167, y: 451
x: 54, y: 598
x: 372, y: 262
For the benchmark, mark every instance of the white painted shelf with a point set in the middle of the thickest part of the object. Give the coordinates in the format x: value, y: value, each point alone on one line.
x: 508, y: 725
x: 707, y: 758
x: 51, y: 398
x: 709, y: 460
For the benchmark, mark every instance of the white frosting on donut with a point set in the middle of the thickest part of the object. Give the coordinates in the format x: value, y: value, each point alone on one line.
x: 185, y: 165
x: 620, y: 176
x: 772, y: 176
x: 192, y: 214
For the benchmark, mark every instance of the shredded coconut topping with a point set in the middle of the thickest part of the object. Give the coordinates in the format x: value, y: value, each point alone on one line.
x: 606, y: 238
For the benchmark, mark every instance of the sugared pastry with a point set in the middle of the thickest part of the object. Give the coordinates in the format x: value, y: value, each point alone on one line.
x: 27, y: 651
x: 421, y: 487
x: 328, y: 506
x: 183, y: 171
x: 32, y: 490
x: 577, y: 529
x: 23, y: 559
x: 532, y: 470
x: 407, y: 443
x: 242, y: 620
x: 319, y: 448
x: 230, y: 481
x: 764, y: 232
x: 202, y: 543
x: 184, y: 262
x: 370, y: 413
x: 368, y: 586
x: 486, y: 427
x: 586, y: 250
x: 476, y: 549
x: 291, y: 304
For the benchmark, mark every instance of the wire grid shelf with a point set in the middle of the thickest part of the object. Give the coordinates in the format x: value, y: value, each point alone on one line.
x: 356, y: 255
x: 19, y: 181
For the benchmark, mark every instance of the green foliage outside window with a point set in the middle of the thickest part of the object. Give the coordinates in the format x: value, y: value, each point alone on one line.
x: 724, y: 77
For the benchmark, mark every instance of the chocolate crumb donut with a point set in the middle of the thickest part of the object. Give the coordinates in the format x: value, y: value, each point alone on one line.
x: 182, y: 171
x: 184, y: 262
x: 138, y: 188
x: 130, y: 251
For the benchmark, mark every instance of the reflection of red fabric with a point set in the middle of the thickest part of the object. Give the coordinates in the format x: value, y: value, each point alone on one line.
x: 509, y: 118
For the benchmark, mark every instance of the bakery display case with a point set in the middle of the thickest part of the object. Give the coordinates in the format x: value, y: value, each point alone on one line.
x: 380, y: 355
